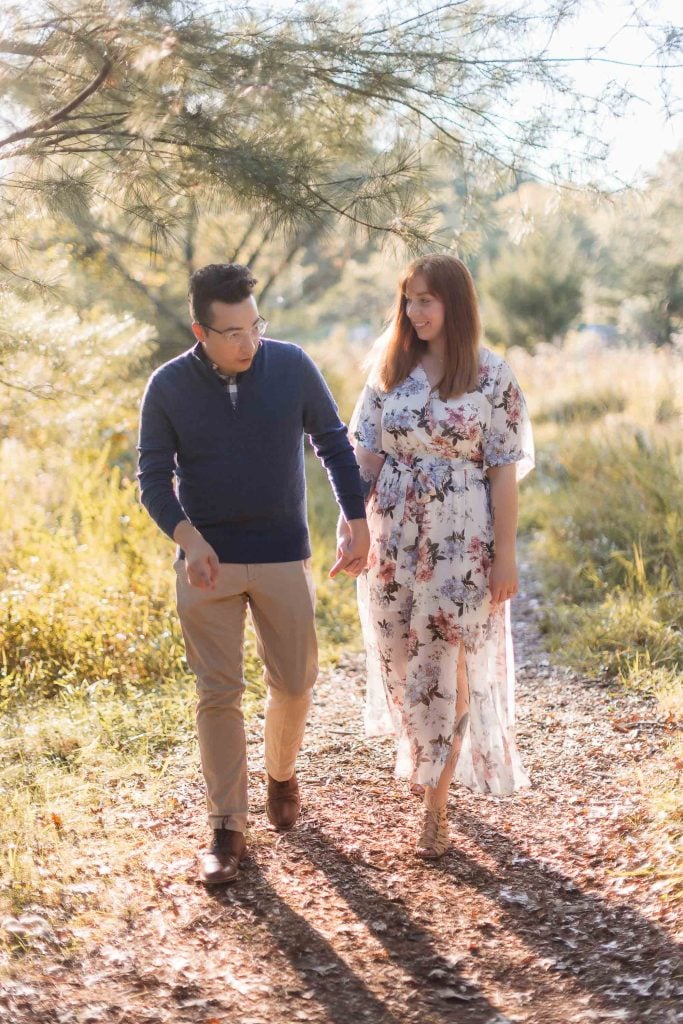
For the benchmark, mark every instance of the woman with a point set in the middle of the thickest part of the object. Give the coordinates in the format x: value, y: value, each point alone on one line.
x: 442, y: 436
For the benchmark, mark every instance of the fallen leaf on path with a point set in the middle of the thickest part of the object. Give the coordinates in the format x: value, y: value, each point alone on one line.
x: 519, y: 899
x: 451, y: 993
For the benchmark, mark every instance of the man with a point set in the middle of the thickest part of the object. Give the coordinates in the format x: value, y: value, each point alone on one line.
x: 227, y: 419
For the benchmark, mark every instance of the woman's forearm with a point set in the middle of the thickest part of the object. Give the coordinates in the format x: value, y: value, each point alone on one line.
x: 368, y: 480
x: 370, y: 466
x: 503, y: 481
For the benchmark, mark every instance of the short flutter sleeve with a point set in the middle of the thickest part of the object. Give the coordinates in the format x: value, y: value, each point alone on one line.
x: 509, y: 437
x: 366, y: 421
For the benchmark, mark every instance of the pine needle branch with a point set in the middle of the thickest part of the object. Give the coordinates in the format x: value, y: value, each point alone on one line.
x: 60, y: 115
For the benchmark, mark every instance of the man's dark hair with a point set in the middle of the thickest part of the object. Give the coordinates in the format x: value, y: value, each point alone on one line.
x: 218, y: 282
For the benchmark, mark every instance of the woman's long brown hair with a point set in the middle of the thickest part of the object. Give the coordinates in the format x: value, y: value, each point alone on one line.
x: 449, y: 280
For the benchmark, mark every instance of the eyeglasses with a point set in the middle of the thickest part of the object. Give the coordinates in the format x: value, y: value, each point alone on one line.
x: 230, y: 334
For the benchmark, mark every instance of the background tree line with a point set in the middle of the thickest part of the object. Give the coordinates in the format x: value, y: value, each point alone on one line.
x: 322, y: 146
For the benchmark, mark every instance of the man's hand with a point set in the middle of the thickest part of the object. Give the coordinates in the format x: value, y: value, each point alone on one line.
x: 201, y: 561
x: 353, y: 545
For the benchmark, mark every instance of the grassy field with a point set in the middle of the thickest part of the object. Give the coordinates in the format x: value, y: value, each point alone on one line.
x: 605, y: 513
x: 606, y: 507
x: 97, y: 701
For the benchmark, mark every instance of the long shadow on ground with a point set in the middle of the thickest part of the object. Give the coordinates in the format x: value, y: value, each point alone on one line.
x: 585, y: 950
x: 417, y: 950
x: 342, y: 991
x: 604, y: 947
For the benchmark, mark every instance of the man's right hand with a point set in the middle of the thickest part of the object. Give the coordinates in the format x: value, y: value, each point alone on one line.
x: 201, y: 561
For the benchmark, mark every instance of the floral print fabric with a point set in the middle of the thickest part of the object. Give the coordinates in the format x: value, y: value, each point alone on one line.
x: 424, y: 594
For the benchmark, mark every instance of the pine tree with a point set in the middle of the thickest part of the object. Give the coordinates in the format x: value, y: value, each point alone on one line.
x: 301, y: 117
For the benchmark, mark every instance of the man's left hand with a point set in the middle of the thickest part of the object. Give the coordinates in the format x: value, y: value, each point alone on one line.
x: 353, y: 545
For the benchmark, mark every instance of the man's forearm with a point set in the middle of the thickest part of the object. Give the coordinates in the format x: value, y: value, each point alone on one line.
x: 157, y: 449
x: 336, y: 454
x: 158, y: 496
x: 185, y: 534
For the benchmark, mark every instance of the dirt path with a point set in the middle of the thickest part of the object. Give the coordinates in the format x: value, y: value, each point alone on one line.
x: 535, y: 915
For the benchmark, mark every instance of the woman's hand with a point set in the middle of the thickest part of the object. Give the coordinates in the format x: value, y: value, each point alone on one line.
x: 503, y: 578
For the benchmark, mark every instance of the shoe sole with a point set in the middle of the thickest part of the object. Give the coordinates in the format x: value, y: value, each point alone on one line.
x: 218, y: 881
x: 431, y: 855
x: 282, y: 828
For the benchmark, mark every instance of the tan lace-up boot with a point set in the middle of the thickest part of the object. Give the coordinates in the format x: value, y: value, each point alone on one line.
x: 433, y: 840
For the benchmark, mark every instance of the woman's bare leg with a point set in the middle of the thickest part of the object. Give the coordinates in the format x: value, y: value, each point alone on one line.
x: 437, y: 796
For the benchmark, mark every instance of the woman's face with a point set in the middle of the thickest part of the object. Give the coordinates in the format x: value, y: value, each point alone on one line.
x: 425, y: 311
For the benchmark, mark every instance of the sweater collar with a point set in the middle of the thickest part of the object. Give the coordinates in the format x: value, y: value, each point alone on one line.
x: 199, y: 352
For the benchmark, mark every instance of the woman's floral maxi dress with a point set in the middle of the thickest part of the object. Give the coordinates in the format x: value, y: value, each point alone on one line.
x: 425, y: 591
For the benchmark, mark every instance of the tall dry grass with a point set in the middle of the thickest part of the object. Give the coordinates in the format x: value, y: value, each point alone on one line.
x: 607, y: 504
x: 605, y: 510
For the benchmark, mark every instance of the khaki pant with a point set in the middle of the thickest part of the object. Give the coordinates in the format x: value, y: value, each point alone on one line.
x: 281, y: 598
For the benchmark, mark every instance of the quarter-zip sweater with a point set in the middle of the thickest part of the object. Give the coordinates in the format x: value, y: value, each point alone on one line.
x: 239, y: 472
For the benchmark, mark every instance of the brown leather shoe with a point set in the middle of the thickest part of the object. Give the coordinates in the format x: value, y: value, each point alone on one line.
x: 220, y: 864
x: 284, y: 802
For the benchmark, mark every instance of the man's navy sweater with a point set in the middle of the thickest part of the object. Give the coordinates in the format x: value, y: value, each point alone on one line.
x: 240, y: 472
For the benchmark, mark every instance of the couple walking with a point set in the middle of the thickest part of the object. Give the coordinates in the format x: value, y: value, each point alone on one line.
x: 428, y: 500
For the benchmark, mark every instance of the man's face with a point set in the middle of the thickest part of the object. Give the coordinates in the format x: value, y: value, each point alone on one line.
x: 231, y: 334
